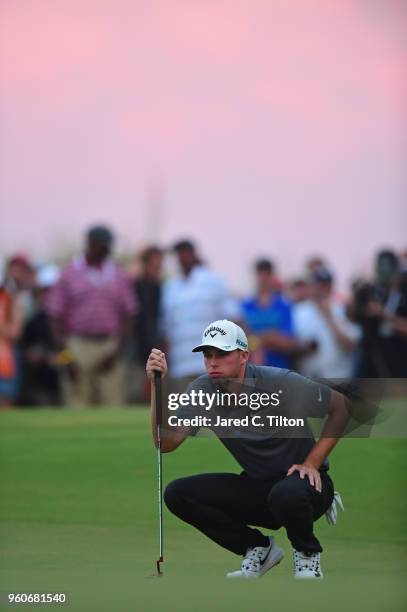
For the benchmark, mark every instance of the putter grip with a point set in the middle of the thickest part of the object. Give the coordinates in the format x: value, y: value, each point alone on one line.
x: 158, y: 398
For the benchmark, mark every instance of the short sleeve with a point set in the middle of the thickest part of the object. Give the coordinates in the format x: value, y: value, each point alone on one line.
x: 302, y: 322
x: 308, y: 398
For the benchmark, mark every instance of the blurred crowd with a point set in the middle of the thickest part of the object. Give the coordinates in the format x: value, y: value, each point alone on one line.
x: 80, y: 335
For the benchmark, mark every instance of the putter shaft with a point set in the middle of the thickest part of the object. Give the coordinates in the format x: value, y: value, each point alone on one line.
x: 158, y: 406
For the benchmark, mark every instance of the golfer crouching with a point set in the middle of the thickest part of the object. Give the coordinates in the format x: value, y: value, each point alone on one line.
x: 285, y: 480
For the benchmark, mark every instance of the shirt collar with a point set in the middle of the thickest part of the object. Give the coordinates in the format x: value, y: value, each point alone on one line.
x: 250, y: 375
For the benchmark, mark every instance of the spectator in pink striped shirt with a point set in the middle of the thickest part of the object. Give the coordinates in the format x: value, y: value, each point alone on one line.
x: 92, y: 309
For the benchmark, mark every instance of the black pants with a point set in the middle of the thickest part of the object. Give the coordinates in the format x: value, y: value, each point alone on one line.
x: 223, y: 506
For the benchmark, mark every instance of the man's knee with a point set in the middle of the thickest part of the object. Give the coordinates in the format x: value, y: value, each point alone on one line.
x: 287, y: 496
x: 174, y: 494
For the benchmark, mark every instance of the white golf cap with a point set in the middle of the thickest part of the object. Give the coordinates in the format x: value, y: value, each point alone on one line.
x: 223, y: 335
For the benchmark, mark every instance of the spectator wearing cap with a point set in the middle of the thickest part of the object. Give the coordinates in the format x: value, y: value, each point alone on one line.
x: 268, y: 320
x: 323, y: 320
x: 19, y: 281
x: 190, y: 300
x: 20, y: 273
x: 92, y: 307
x: 39, y: 355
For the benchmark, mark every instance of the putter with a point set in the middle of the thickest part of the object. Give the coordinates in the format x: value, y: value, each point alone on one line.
x: 159, y: 416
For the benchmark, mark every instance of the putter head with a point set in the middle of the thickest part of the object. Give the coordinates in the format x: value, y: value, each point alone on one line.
x: 159, y: 572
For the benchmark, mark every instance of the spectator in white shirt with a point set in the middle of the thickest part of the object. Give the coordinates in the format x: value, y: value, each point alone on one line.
x: 324, y: 321
x: 190, y: 301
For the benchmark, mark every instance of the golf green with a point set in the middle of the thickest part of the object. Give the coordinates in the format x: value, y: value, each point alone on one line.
x: 79, y: 515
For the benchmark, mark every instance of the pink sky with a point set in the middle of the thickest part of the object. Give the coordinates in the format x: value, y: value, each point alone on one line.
x: 273, y: 127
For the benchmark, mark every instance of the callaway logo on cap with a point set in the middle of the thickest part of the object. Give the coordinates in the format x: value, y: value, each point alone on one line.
x: 224, y: 335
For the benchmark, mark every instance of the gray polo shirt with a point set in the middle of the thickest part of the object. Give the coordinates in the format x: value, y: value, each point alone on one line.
x: 270, y: 450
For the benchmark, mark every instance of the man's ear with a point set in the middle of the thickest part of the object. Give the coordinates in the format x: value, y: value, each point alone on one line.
x: 245, y: 356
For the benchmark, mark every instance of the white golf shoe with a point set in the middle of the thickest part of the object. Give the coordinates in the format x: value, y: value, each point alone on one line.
x: 258, y: 561
x: 307, y: 566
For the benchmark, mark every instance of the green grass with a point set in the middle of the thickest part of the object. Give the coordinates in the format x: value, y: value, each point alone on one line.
x: 78, y: 514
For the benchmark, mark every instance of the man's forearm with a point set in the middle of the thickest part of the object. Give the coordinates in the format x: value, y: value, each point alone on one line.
x: 347, y: 343
x: 331, y: 432
x: 320, y: 452
x: 153, y: 417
